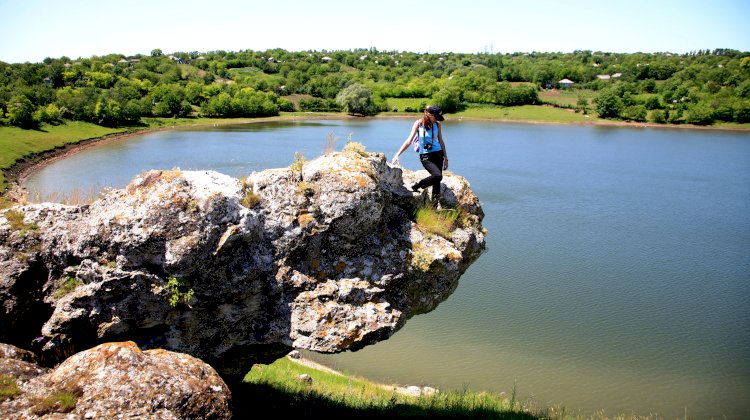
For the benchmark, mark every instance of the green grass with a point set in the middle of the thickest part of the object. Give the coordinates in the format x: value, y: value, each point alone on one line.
x: 439, y: 222
x: 15, y: 219
x: 17, y: 143
x: 8, y: 387
x: 529, y: 113
x: 567, y: 97
x: 62, y: 401
x: 278, y: 388
x: 67, y: 286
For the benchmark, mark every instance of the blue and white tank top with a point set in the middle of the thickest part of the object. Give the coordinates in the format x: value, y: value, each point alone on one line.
x: 428, y: 137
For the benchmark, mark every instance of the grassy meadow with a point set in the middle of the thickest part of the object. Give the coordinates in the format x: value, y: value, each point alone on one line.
x: 296, y: 388
x: 291, y: 388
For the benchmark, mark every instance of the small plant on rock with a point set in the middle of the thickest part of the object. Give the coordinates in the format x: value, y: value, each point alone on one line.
x: 250, y: 199
x: 299, y: 162
x: 15, y: 218
x: 176, y: 295
x: 67, y: 286
x: 8, y: 387
x: 420, y: 259
x: 439, y: 222
x: 354, y: 147
x: 62, y: 401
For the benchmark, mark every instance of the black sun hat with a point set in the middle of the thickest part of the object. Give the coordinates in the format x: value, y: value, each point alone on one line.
x: 436, y: 111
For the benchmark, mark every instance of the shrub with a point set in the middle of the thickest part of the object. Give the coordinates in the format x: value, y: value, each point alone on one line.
x: 176, y: 295
x: 355, y: 147
x: 699, y: 114
x: 635, y: 113
x: 299, y: 162
x: 658, y: 116
x: 251, y: 199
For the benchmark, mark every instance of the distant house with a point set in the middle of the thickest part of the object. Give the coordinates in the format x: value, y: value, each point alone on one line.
x: 326, y: 58
x: 602, y: 76
x: 616, y: 75
x: 565, y: 83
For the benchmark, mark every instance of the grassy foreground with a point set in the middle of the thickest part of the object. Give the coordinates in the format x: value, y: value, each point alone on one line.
x: 298, y: 389
x: 290, y: 388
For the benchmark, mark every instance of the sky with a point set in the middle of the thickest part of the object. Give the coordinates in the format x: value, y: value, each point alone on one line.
x: 31, y: 30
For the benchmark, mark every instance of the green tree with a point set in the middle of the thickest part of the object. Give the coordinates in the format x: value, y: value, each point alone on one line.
x: 608, y: 104
x: 21, y: 111
x: 108, y: 112
x: 356, y: 99
x: 156, y: 52
x: 448, y: 98
x: 658, y: 116
x: 699, y: 114
x: 583, y: 104
x: 635, y: 113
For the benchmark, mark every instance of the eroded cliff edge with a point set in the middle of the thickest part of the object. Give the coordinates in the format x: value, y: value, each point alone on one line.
x: 323, y: 256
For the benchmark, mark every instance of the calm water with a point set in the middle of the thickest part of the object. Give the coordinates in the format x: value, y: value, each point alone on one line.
x: 617, y: 275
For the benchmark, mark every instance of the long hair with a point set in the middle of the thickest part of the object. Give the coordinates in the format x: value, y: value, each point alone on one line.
x: 426, y: 121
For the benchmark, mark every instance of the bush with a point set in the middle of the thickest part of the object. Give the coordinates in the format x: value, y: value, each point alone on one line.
x: 608, y: 104
x: 21, y: 111
x: 286, y: 105
x: 699, y: 114
x: 356, y: 99
x: 658, y: 116
x: 635, y: 113
x: 318, y: 105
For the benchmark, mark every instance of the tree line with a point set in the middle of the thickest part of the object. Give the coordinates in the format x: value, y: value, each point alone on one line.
x: 700, y: 87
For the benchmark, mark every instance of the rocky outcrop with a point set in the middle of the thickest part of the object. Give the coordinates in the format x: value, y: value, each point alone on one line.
x: 112, y: 380
x: 324, y: 255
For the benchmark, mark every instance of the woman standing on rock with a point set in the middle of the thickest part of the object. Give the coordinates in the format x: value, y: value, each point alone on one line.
x: 428, y: 136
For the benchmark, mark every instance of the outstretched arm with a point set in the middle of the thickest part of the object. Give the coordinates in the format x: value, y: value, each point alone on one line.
x: 396, y: 160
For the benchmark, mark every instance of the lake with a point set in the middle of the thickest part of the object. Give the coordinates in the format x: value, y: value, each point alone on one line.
x: 617, y: 272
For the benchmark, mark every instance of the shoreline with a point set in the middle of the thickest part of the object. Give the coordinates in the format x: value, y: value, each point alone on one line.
x: 20, y: 171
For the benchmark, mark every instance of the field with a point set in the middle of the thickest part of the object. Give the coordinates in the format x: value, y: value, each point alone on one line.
x: 526, y: 113
x: 17, y: 143
x: 567, y: 97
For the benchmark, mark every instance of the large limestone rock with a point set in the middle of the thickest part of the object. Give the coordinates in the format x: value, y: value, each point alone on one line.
x: 113, y: 380
x: 326, y: 257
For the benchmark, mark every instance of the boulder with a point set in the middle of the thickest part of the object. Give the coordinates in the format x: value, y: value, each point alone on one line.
x: 323, y: 256
x: 117, y: 380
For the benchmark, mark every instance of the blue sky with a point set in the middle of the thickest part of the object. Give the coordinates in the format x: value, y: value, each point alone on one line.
x: 31, y: 30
